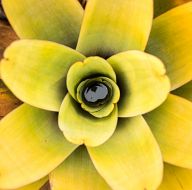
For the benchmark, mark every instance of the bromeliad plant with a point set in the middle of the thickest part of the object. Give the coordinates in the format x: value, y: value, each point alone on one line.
x: 88, y: 102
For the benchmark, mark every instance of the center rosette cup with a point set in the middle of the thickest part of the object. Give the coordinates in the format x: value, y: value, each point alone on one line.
x: 96, y: 93
x: 92, y: 83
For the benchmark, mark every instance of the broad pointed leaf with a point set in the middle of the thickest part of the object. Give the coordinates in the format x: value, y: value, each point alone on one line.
x: 31, y: 146
x: 112, y: 26
x: 77, y: 172
x: 35, y: 71
x: 176, y: 178
x: 130, y: 159
x: 171, y: 41
x: 142, y: 81
x: 171, y: 124
x: 46, y: 19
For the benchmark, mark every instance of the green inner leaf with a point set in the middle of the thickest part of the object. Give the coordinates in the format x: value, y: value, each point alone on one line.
x: 91, y: 67
x: 80, y: 127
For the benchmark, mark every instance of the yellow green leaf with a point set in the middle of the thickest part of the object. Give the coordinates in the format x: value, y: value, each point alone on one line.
x: 31, y: 146
x: 185, y: 91
x: 176, y: 178
x: 171, y: 124
x: 142, y: 81
x: 35, y: 71
x: 171, y: 41
x: 46, y: 19
x: 161, y: 6
x: 111, y: 26
x: 36, y: 185
x: 130, y: 159
x: 80, y: 127
x: 77, y: 172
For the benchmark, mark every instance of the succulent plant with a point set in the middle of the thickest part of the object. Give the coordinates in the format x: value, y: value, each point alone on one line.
x: 107, y: 96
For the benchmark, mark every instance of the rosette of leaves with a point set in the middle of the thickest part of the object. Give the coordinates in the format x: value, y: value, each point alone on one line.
x: 98, y: 89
